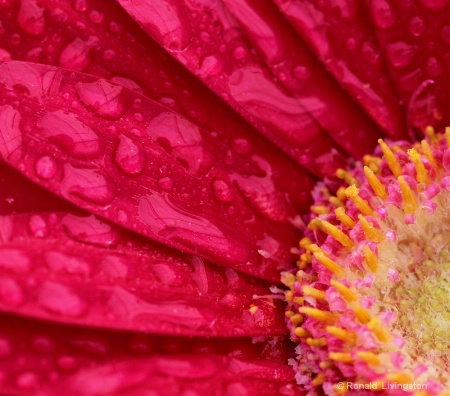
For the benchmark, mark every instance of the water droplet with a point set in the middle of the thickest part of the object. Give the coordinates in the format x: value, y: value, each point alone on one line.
x: 31, y: 17
x: 383, y: 14
x: 127, y: 83
x: 370, y: 52
x: 301, y: 72
x: 75, y: 56
x: 423, y: 107
x: 434, y: 4
x: 240, y: 53
x: 89, y: 230
x: 400, y: 54
x: 46, y: 167
x: 140, y: 344
x: 96, y: 16
x: 166, y: 274
x: 90, y: 345
x: 69, y: 133
x: 10, y: 134
x: 194, y: 368
x: 80, y: 5
x: 114, y: 267
x: 67, y: 363
x: 109, y: 54
x: 4, y: 55
x: 166, y: 183
x: 38, y: 226
x: 14, y: 260
x: 27, y: 380
x: 42, y: 344
x: 128, y: 156
x: 61, y: 300
x: 11, y: 292
x: 434, y: 68
x: 59, y: 262
x: 241, y: 145
x: 210, y: 65
x: 87, y: 185
x: 199, y: 276
x: 102, y: 98
x: 350, y: 44
x: 222, y: 191
x: 416, y: 26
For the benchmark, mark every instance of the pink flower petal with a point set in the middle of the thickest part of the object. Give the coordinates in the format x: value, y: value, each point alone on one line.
x: 119, y: 169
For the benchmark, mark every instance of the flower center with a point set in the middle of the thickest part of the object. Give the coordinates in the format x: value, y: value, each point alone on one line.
x: 370, y: 300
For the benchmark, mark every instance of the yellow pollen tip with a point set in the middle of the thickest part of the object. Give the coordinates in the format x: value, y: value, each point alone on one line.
x: 429, y: 131
x: 428, y: 153
x: 370, y: 231
x: 369, y: 358
x: 375, y: 326
x: 370, y: 258
x: 336, y: 233
x: 311, y: 291
x: 346, y: 176
x: 409, y: 201
x: 319, y: 380
x: 400, y: 378
x: 376, y: 185
x: 344, y: 218
x: 326, y: 365
x: 421, y: 172
x: 316, y: 342
x: 301, y: 332
x: 320, y: 209
x: 321, y: 316
x: 447, y: 135
x: 296, y: 319
x: 336, y: 202
x: 288, y: 279
x: 305, y: 242
x: 330, y: 265
x: 344, y: 291
x: 352, y: 192
x: 343, y: 357
x: 391, y: 159
x: 361, y: 314
x: 342, y: 334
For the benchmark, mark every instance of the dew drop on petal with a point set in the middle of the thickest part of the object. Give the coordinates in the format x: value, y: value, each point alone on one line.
x: 416, y: 26
x: 42, y: 344
x: 27, y: 380
x: 14, y: 260
x: 128, y: 156
x: 383, y: 14
x: 38, y: 226
x: 59, y: 262
x: 45, y: 167
x: 76, y: 55
x: 61, y: 300
x: 222, y: 191
x: 6, y: 347
x: 5, y: 55
x: 114, y: 267
x: 166, y: 183
x: 86, y: 184
x: 400, y: 54
x: 241, y: 145
x: 434, y: 4
x: 67, y: 363
x: 11, y: 292
x: 10, y: 134
x: 31, y: 17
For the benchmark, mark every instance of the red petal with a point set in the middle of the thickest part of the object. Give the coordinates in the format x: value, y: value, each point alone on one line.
x: 344, y: 40
x: 416, y: 38
x: 301, y: 73
x: 48, y: 359
x: 143, y: 170
x: 80, y: 270
x: 214, y: 48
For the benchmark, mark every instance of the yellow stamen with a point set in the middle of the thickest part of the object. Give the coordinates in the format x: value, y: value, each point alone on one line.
x: 343, y: 357
x: 342, y: 334
x: 375, y: 326
x: 428, y: 153
x: 316, y: 342
x: 346, y: 176
x: 299, y: 300
x: 370, y: 231
x: 344, y: 218
x: 370, y: 258
x: 313, y: 292
x: 429, y: 130
x: 302, y: 264
x: 340, y: 194
x: 361, y: 314
x: 296, y: 319
x: 313, y: 248
x: 288, y: 279
x: 340, y: 390
x: 321, y: 316
x: 326, y: 365
x: 369, y: 357
x: 409, y: 201
x: 376, y: 185
x: 305, y: 242
x: 320, y: 378
x: 330, y: 265
x: 320, y: 209
x: 447, y: 135
x: 352, y: 192
x: 336, y: 202
x: 301, y: 332
x: 421, y: 172
x: 391, y: 159
x: 336, y: 233
x: 289, y: 295
x: 344, y: 291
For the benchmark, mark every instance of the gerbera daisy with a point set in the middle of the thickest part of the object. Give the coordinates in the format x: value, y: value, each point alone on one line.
x: 158, y: 158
